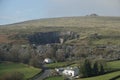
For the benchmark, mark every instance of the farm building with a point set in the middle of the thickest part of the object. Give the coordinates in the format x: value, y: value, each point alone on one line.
x: 69, y: 71
x: 48, y: 60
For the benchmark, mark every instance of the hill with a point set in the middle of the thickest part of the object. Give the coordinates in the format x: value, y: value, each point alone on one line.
x: 85, y: 25
x: 92, y: 37
x: 84, y: 21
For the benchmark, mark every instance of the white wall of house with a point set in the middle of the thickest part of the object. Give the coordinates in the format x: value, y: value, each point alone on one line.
x: 68, y: 72
x: 48, y: 60
x: 71, y: 72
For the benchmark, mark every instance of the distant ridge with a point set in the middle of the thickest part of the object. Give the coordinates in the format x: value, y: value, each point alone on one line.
x: 65, y: 21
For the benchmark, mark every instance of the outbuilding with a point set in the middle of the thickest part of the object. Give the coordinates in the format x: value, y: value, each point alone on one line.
x: 48, y: 60
x: 71, y: 71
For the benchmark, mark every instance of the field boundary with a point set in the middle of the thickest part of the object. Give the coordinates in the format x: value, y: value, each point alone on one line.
x: 116, y: 77
x: 37, y: 75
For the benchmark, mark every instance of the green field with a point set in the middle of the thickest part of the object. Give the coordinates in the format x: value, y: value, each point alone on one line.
x: 28, y: 71
x: 55, y: 78
x: 58, y: 64
x: 114, y: 64
x: 103, y: 77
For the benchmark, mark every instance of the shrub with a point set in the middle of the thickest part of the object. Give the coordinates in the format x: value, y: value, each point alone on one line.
x: 13, y: 76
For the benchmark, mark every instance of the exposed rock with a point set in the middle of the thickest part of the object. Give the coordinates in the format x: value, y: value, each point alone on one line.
x: 51, y: 37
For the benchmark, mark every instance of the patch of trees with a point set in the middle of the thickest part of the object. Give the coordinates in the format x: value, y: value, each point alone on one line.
x: 89, y: 68
x: 25, y: 55
x: 35, y: 55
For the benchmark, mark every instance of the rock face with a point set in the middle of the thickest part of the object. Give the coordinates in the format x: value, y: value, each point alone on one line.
x: 42, y: 38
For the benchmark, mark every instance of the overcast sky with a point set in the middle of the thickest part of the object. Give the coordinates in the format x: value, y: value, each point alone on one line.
x: 12, y: 11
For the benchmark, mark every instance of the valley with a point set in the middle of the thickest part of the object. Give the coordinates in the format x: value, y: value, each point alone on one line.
x: 66, y: 41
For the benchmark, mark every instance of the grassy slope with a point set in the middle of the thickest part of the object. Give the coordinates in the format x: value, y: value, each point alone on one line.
x: 55, y: 78
x: 71, y: 23
x: 114, y: 64
x: 28, y: 71
x: 83, y: 25
x: 103, y: 77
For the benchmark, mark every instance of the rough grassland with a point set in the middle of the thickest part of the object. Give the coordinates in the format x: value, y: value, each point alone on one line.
x: 84, y: 25
x: 28, y: 71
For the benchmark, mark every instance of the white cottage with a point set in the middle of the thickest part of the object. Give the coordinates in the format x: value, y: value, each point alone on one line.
x: 48, y: 60
x: 71, y: 71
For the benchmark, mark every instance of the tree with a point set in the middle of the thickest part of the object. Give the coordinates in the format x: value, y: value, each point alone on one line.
x: 2, y: 55
x: 50, y: 53
x: 14, y: 55
x: 60, y: 55
x: 24, y: 57
x: 86, y: 69
x: 25, y: 54
x: 102, y: 71
x: 95, y: 68
x: 36, y: 61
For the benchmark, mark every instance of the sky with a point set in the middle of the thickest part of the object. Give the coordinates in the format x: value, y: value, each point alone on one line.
x: 12, y: 11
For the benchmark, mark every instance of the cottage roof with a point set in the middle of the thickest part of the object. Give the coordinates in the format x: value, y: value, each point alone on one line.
x: 71, y: 68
